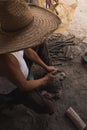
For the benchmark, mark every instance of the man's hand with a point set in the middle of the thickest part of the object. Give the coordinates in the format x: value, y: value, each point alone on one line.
x: 51, y: 68
x: 50, y: 77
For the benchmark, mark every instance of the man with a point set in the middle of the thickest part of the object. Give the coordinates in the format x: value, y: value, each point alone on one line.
x: 17, y: 71
x: 27, y: 27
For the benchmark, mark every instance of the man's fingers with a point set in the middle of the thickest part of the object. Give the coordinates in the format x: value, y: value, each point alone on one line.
x: 54, y: 72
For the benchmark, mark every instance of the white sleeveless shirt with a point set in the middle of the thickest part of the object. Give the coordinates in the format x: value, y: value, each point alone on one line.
x: 22, y: 63
x: 5, y: 85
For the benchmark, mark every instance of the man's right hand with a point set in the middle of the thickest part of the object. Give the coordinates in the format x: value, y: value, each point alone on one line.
x: 50, y: 77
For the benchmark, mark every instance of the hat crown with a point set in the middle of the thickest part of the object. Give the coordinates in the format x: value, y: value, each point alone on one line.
x: 15, y: 15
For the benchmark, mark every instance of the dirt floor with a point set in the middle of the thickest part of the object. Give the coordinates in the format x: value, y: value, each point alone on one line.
x: 73, y: 91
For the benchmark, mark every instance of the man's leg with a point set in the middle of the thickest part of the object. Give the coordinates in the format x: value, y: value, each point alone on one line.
x: 33, y: 99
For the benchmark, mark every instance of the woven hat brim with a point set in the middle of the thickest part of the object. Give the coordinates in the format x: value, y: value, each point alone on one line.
x: 45, y: 22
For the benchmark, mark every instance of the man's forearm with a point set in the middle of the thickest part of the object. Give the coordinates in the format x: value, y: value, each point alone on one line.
x: 32, y: 55
x: 32, y: 84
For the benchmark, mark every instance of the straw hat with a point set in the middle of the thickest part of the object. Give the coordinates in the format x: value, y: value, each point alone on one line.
x: 23, y: 25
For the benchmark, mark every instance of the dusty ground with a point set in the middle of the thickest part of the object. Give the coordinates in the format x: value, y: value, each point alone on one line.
x: 74, y: 90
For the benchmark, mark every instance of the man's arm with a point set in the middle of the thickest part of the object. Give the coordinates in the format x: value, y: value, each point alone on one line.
x: 33, y: 56
x: 11, y: 69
